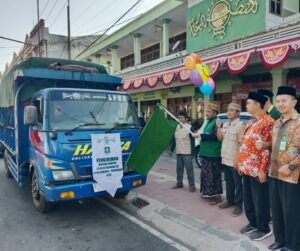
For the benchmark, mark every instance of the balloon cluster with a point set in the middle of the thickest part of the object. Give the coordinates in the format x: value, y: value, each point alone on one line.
x: 199, y: 74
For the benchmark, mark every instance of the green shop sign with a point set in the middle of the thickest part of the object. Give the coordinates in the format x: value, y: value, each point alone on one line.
x: 212, y: 22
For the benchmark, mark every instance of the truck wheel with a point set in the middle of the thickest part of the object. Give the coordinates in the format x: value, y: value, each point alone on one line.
x: 121, y: 195
x: 2, y: 150
x: 6, y: 169
x: 38, y: 197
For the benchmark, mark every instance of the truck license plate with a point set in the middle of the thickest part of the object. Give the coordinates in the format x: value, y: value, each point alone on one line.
x: 97, y: 188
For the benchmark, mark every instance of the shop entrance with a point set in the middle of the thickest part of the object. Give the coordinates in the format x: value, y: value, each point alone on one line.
x: 147, y: 107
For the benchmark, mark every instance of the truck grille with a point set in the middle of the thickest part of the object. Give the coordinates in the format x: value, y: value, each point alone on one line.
x: 85, y: 171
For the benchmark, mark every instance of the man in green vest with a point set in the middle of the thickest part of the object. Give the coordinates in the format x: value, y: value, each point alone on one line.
x: 210, y: 152
x: 268, y: 107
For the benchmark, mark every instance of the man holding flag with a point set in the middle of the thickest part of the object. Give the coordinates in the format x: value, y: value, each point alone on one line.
x: 184, y: 152
x: 210, y: 152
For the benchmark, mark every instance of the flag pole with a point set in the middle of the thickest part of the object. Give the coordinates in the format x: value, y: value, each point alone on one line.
x: 174, y: 117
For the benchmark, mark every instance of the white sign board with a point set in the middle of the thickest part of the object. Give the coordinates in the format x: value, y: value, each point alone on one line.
x: 107, y: 161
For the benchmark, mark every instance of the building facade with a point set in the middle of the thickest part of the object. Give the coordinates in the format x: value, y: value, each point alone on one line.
x: 247, y: 44
x: 41, y: 43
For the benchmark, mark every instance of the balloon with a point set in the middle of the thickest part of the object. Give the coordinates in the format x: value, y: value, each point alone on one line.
x: 211, y: 82
x: 204, y: 71
x: 189, y: 62
x: 195, y: 78
x: 206, y: 89
x: 196, y: 58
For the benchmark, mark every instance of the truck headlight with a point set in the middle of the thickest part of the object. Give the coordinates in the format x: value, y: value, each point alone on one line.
x: 54, y: 164
x: 63, y: 175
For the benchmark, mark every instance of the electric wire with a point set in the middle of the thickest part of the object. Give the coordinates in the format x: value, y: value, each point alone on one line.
x: 123, y: 15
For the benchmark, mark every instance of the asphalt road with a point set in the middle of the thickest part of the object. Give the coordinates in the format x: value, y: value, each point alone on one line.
x: 70, y: 226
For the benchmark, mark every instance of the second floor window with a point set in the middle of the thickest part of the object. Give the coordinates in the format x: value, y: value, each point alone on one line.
x: 127, y: 61
x: 150, y: 53
x: 182, y: 46
x: 275, y: 7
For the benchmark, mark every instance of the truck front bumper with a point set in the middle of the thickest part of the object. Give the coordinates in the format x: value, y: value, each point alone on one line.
x: 88, y: 189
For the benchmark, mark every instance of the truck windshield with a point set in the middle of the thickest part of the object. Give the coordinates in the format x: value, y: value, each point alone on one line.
x: 90, y: 110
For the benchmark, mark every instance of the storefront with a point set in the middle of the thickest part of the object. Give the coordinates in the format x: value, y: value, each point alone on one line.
x: 181, y: 96
x: 240, y: 60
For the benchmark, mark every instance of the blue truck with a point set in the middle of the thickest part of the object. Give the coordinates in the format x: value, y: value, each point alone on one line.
x: 48, y: 110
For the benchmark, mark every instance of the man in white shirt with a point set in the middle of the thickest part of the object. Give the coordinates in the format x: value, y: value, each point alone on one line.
x: 184, y: 153
x: 230, y: 134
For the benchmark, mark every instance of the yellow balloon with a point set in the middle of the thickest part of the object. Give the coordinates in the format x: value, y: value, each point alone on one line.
x: 204, y: 71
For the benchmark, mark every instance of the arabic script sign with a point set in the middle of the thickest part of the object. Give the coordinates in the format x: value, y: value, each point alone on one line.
x: 212, y: 19
x: 219, y: 16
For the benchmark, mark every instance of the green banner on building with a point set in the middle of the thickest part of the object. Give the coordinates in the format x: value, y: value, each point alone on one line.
x: 214, y: 22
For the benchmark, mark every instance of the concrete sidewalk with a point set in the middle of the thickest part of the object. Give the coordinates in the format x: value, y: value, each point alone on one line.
x: 186, y: 216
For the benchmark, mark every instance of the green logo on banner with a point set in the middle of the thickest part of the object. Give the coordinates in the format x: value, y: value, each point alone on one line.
x: 107, y: 149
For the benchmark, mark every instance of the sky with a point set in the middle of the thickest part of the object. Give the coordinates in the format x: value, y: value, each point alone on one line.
x: 18, y: 17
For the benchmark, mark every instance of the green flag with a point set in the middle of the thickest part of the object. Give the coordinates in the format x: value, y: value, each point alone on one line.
x: 153, y: 141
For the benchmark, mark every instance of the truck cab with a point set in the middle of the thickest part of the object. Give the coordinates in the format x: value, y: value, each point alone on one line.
x: 51, y: 148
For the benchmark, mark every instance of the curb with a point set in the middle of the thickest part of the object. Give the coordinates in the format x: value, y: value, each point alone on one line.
x: 192, y: 232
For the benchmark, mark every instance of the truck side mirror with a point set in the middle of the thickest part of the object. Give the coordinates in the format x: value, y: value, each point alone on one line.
x: 30, y: 115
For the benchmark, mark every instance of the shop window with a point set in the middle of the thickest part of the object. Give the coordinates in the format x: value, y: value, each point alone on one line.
x: 223, y: 100
x: 127, y: 61
x: 180, y: 104
x: 182, y: 46
x: 147, y: 107
x: 276, y: 7
x: 200, y: 112
x: 150, y: 53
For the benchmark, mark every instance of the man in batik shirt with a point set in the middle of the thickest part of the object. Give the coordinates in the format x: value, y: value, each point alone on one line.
x: 284, y: 173
x: 253, y: 161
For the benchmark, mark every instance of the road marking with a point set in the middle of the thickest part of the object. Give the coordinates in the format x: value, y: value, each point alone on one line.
x: 145, y: 226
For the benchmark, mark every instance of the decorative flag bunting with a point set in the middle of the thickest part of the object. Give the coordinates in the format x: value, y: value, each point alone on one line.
x: 168, y: 77
x: 152, y: 81
x: 138, y: 83
x: 214, y: 67
x: 184, y: 75
x: 274, y: 57
x: 127, y: 84
x: 238, y: 63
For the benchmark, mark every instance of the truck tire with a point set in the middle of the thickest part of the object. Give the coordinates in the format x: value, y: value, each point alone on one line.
x: 7, y: 172
x: 2, y: 150
x: 121, y: 195
x: 38, y: 198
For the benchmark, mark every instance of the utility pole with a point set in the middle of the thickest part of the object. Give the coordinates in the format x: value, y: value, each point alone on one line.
x: 38, y: 26
x: 69, y: 31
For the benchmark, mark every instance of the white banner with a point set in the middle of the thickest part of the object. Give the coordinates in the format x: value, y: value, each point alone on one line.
x: 107, y: 161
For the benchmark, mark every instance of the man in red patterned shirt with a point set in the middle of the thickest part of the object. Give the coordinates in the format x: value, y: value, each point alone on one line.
x: 253, y: 162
